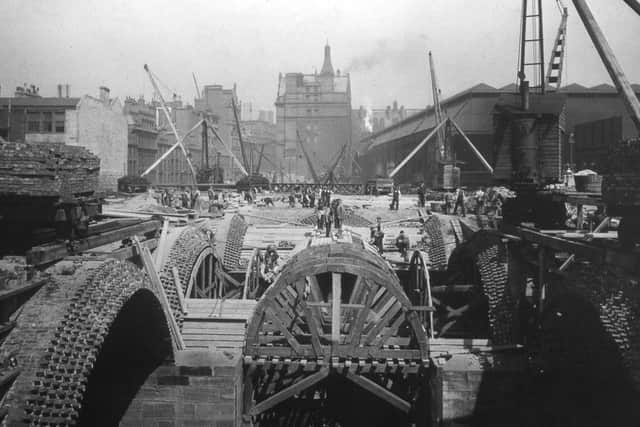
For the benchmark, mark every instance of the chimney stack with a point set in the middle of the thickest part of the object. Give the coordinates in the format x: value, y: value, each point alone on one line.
x: 59, y: 91
x: 104, y: 93
x: 66, y: 88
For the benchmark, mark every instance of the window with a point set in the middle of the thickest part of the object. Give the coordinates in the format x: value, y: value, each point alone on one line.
x: 33, y: 122
x: 59, y: 122
x: 47, y: 122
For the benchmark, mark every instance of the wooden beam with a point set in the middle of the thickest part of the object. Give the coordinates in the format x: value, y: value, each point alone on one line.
x: 415, y: 150
x: 39, y: 255
x: 289, y: 392
x: 147, y: 262
x: 336, y: 296
x: 162, y: 243
x: 181, y: 296
x: 131, y: 251
x: 391, y: 312
x: 610, y: 61
x: 282, y: 327
x: 314, y: 329
x: 477, y: 152
x: 380, y: 391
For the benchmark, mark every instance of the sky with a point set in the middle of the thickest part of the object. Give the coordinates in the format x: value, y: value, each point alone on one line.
x: 382, y: 44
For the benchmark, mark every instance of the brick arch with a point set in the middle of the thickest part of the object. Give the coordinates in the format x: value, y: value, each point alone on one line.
x: 187, y: 253
x: 60, y: 335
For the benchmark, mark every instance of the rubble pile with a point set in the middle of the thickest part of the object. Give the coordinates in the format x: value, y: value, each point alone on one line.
x: 41, y: 170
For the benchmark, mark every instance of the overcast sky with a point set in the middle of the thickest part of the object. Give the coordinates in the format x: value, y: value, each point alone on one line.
x: 382, y: 43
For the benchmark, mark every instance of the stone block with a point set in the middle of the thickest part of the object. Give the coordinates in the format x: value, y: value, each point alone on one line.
x: 206, y: 411
x: 199, y: 371
x: 158, y: 410
x: 173, y: 380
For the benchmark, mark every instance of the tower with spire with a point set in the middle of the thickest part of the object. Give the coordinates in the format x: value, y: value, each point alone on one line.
x: 318, y: 108
x: 327, y: 68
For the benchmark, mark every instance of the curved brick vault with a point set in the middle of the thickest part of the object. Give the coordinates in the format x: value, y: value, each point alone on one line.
x: 67, y: 329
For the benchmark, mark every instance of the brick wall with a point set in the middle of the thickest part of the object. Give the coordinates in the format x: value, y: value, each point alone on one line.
x: 200, y: 389
x: 101, y: 126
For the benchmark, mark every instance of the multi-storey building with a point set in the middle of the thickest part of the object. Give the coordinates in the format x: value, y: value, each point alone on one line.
x: 317, y: 107
x: 96, y: 123
x: 216, y: 103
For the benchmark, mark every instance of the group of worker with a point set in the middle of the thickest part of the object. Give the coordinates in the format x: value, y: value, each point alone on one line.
x: 330, y: 215
x: 185, y: 198
x: 402, y: 242
x: 485, y: 202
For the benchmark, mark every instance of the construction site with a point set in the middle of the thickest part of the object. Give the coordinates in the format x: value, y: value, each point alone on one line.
x: 468, y: 265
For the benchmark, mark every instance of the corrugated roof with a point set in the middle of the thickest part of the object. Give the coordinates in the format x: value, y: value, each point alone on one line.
x: 29, y: 101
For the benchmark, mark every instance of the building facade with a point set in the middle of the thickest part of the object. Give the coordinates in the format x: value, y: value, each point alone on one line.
x: 96, y: 123
x: 216, y: 103
x: 142, y: 135
x: 317, y: 109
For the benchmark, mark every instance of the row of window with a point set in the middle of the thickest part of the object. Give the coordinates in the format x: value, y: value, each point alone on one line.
x: 45, y: 122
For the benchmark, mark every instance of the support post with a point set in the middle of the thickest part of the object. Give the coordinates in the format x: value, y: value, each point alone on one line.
x: 609, y: 59
x: 181, y: 296
x: 415, y: 150
x: 336, y: 296
x: 147, y: 262
x: 478, y: 154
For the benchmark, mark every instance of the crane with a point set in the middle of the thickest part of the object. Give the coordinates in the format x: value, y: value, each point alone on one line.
x: 195, y: 83
x: 179, y: 139
x: 247, y: 166
x: 442, y: 149
x: 308, y: 159
x: 556, y: 62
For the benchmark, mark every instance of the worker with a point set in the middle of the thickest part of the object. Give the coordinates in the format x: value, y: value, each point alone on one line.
x: 292, y: 200
x: 481, y: 198
x: 320, y: 219
x: 305, y: 199
x: 403, y: 243
x: 327, y: 220
x: 378, y: 236
x: 195, y: 199
x: 269, y: 267
x: 421, y: 196
x: 395, y: 198
x: 211, y: 194
x: 312, y: 199
x: 338, y: 216
x: 459, y: 198
x: 268, y: 201
x: 185, y: 198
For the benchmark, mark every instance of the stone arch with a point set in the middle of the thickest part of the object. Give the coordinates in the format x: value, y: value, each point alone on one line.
x: 61, y: 334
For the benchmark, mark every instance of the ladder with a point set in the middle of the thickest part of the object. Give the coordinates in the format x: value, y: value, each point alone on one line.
x: 532, y: 44
x: 556, y: 63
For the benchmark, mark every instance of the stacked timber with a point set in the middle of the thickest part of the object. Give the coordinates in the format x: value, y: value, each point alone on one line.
x: 47, y: 169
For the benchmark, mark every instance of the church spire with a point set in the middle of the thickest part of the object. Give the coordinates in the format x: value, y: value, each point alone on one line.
x: 327, y: 68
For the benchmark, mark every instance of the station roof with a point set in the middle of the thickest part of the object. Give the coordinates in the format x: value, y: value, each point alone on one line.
x: 412, y: 123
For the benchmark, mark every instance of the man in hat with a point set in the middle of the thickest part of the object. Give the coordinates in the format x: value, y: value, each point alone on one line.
x: 402, y: 243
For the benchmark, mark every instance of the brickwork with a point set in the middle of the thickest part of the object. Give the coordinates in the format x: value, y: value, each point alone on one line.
x: 184, y: 255
x: 56, y: 347
x: 201, y: 392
